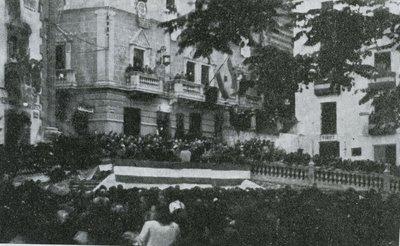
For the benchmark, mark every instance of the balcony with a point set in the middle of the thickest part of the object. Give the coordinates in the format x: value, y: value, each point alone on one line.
x: 146, y: 83
x: 65, y: 78
x: 325, y: 89
x: 189, y: 90
x: 382, y: 81
x: 328, y: 137
x: 250, y: 101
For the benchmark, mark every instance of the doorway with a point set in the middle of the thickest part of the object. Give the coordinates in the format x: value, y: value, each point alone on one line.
x: 132, y: 121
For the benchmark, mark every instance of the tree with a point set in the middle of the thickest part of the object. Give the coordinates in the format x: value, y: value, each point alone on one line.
x: 216, y: 25
x: 344, y: 34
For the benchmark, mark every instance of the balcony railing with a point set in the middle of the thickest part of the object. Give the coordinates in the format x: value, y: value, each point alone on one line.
x: 383, y: 80
x: 188, y: 90
x: 250, y: 101
x: 148, y: 83
x: 325, y: 89
x: 65, y: 78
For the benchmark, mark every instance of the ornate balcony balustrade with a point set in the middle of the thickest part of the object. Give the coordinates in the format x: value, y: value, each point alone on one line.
x: 188, y: 90
x: 383, y: 80
x: 144, y: 82
x: 65, y: 78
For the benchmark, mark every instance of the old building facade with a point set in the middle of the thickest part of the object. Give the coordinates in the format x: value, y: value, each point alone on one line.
x: 334, y: 122
x: 118, y: 71
x: 20, y: 72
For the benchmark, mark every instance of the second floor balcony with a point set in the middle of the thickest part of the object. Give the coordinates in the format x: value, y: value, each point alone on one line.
x: 145, y: 82
x: 326, y: 89
x: 65, y: 78
x: 185, y: 89
x: 383, y: 80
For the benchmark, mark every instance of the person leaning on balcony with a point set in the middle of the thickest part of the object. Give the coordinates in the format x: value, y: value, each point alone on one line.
x: 159, y: 232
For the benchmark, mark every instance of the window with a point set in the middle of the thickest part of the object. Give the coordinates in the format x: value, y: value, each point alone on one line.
x: 180, y: 126
x: 80, y: 122
x: 329, y: 149
x: 138, y: 59
x: 195, y: 125
x: 190, y: 71
x: 356, y: 152
x: 385, y: 153
x: 60, y: 56
x: 218, y: 127
x: 382, y: 61
x: 328, y: 118
x: 12, y: 47
x: 163, y: 124
x: 170, y: 5
x: 132, y: 120
x: 205, y: 74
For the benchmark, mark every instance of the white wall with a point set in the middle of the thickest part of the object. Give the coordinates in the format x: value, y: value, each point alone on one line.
x: 352, y: 118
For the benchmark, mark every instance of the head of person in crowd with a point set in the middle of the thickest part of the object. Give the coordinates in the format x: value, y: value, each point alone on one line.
x: 163, y: 216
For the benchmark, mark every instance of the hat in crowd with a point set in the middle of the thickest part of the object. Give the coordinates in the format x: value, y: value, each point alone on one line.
x: 173, y: 206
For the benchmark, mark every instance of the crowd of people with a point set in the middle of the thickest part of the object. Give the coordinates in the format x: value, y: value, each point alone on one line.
x: 30, y: 214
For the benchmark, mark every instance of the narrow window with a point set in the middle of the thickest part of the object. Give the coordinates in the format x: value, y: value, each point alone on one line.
x: 138, y: 59
x: 60, y: 56
x: 163, y: 124
x: 382, y: 61
x: 180, y: 126
x: 190, y: 71
x: 205, y: 74
x: 195, y: 125
x: 328, y: 118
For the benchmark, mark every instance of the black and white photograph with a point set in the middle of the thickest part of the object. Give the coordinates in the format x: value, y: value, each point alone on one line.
x: 200, y: 122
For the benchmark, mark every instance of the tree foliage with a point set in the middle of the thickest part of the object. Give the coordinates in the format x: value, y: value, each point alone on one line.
x: 217, y: 24
x: 344, y: 34
x: 342, y: 37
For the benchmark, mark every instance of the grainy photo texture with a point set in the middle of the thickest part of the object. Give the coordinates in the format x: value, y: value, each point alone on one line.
x: 200, y: 122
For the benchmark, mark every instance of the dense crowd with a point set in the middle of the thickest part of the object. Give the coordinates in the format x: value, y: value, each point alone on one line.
x: 30, y: 214
x: 82, y: 152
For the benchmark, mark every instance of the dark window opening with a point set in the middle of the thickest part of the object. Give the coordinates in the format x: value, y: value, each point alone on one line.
x: 329, y: 149
x: 163, y: 124
x: 12, y: 47
x: 180, y: 126
x: 218, y: 127
x: 190, y: 71
x: 205, y: 74
x: 138, y: 59
x: 17, y: 128
x: 60, y: 56
x: 328, y: 118
x: 80, y: 121
x: 132, y: 121
x: 356, y: 152
x: 383, y: 61
x: 385, y: 153
x: 170, y: 5
x: 195, y: 125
